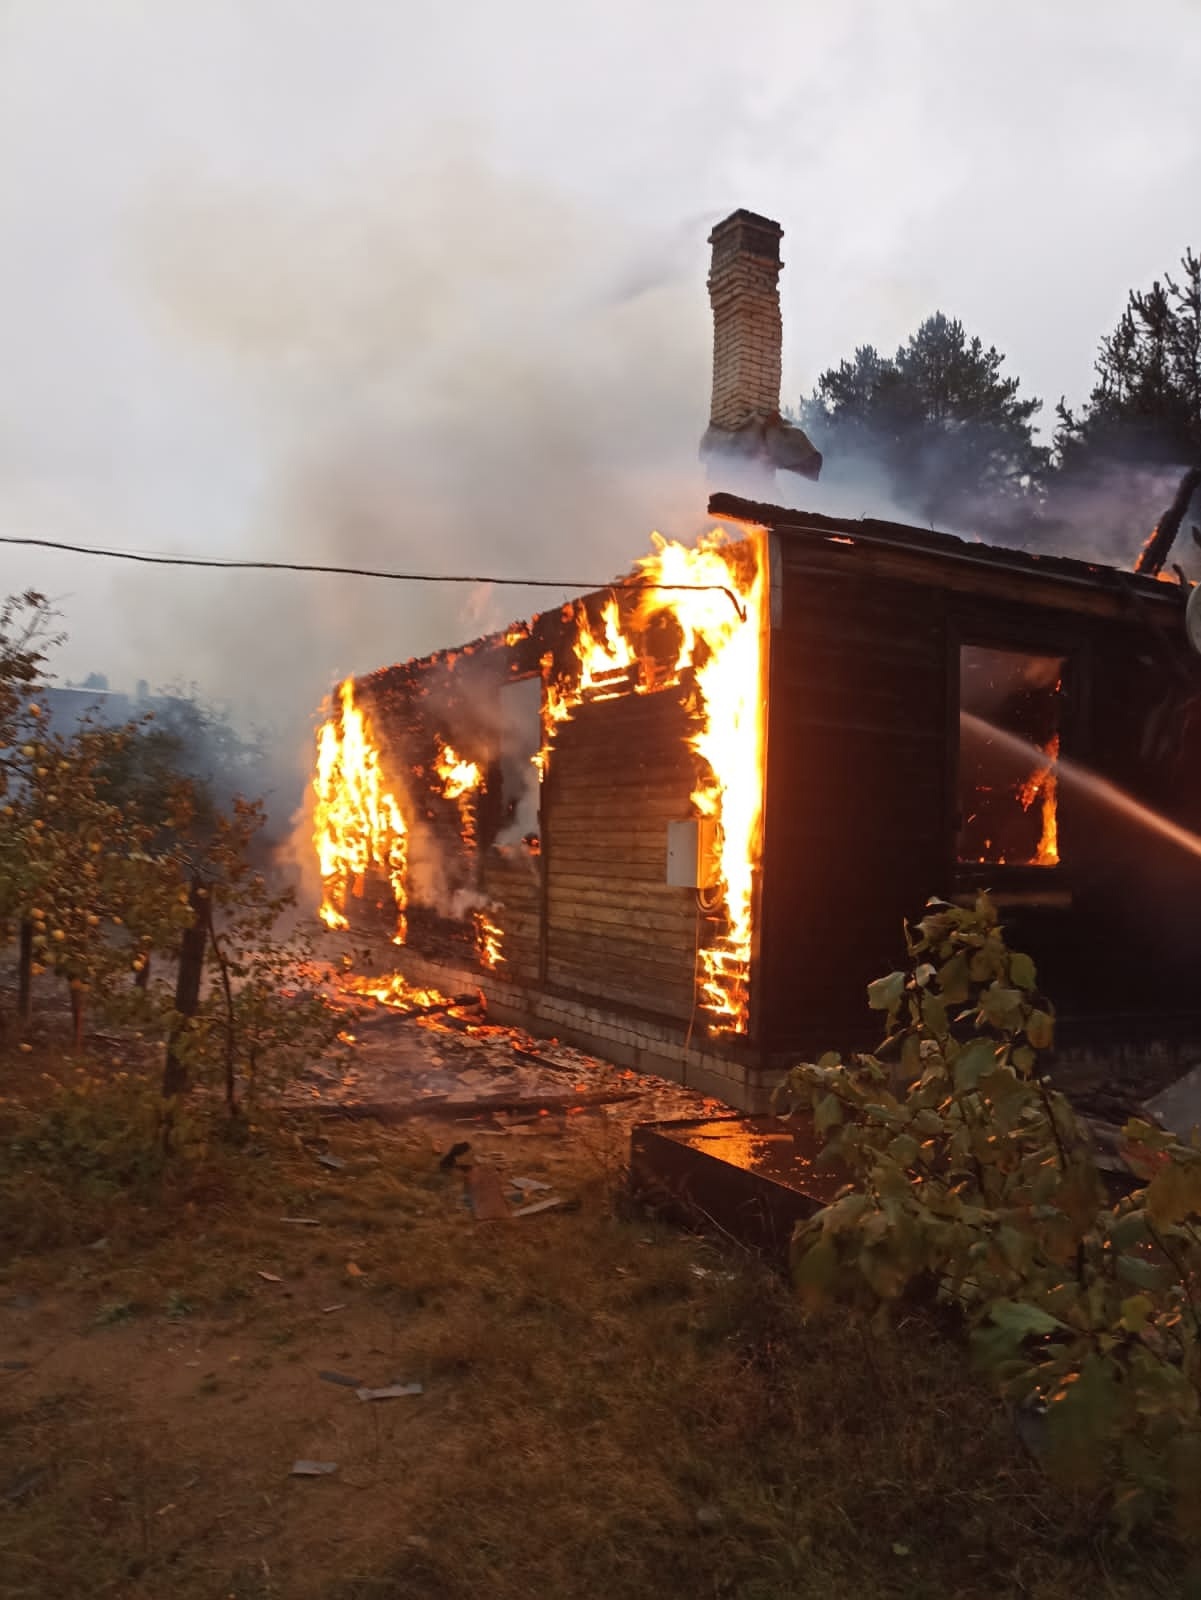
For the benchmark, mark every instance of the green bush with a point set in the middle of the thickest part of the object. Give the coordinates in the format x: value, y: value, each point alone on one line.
x: 969, y: 1178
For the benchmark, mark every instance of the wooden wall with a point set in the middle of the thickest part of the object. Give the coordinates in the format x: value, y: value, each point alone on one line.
x: 855, y: 822
x: 512, y: 879
x: 862, y: 797
x: 620, y: 771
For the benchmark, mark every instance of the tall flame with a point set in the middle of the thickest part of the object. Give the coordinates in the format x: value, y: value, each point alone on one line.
x: 488, y: 940
x: 1043, y: 784
x: 715, y: 593
x: 357, y: 822
x: 724, y: 650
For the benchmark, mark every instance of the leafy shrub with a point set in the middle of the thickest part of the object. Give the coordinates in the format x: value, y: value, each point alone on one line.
x: 969, y: 1178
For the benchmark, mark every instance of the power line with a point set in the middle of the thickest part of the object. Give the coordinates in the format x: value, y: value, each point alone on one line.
x: 578, y: 585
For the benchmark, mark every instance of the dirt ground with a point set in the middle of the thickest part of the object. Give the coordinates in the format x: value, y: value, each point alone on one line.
x: 607, y: 1407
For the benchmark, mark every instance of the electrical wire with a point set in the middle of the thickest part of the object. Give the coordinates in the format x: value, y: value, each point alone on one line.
x: 576, y: 585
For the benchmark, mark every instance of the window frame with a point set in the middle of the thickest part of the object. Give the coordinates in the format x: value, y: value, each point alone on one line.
x: 1042, y: 635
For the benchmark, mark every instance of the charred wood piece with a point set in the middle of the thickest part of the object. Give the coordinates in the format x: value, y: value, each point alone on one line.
x: 1155, y: 552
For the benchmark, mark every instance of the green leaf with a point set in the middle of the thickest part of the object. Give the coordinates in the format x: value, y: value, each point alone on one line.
x: 903, y: 1149
x: 1040, y: 1030
x: 1002, y: 1007
x: 934, y: 1015
x: 827, y: 1113
x: 923, y: 974
x: 815, y: 1272
x: 1010, y: 1323
x: 1135, y: 1311
x: 975, y: 1061
x: 1021, y: 971
x: 954, y: 980
x: 1129, y: 1229
x: 1142, y: 1273
x: 1175, y: 1191
x: 1018, y: 1316
x: 911, y: 1058
x: 885, y: 993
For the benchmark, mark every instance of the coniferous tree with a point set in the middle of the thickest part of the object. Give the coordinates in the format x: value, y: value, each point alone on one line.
x: 1145, y: 406
x: 952, y: 434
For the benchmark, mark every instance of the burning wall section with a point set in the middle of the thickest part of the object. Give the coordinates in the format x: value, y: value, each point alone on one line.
x: 651, y: 710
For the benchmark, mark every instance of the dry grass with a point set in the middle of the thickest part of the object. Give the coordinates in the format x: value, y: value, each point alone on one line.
x: 587, y: 1393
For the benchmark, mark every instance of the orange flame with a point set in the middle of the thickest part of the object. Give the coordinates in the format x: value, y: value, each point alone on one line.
x: 715, y: 593
x: 460, y: 782
x: 488, y: 940
x: 725, y: 651
x: 357, y: 823
x: 459, y: 777
x: 394, y: 990
x: 1044, y: 784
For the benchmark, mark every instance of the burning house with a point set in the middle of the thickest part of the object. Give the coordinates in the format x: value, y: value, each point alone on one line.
x: 680, y: 821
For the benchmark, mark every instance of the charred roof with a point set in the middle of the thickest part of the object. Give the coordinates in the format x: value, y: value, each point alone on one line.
x: 901, y: 540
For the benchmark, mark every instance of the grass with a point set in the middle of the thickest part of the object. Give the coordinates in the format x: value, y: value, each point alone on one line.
x: 599, y: 1419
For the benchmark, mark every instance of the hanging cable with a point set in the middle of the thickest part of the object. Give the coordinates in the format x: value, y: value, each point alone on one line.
x: 232, y: 564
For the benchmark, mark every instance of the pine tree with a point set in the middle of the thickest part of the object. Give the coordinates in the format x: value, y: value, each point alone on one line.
x: 952, y: 434
x: 1145, y: 406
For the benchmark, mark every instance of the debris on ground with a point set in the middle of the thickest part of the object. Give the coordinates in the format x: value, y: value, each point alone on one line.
x: 313, y: 1469
x: 453, y: 1154
x: 486, y: 1194
x: 270, y: 1277
x: 342, y: 1379
x: 390, y: 1391
x: 448, y: 1060
x: 553, y: 1204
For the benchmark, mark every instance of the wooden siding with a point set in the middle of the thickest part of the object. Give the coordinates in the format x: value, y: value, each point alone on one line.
x: 855, y: 823
x: 512, y: 880
x: 620, y: 771
x: 862, y: 794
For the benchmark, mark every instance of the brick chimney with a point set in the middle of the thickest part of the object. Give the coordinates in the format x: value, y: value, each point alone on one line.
x: 747, y: 331
x: 744, y: 416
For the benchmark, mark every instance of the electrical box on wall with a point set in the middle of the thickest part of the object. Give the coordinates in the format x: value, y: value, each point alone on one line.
x: 692, y: 853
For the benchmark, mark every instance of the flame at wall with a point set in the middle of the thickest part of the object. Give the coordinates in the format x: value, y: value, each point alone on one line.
x: 461, y: 782
x: 715, y: 595
x: 358, y: 825
x: 488, y: 940
x: 1044, y: 785
x: 459, y: 777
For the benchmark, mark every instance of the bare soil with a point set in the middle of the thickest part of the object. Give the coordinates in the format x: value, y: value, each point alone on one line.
x: 609, y: 1408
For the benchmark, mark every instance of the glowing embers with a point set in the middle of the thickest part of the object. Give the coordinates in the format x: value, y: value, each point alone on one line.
x: 488, y: 940
x: 1009, y: 805
x: 699, y: 612
x: 358, y: 826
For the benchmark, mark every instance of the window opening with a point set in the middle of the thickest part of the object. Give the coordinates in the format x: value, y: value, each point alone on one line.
x: 1008, y: 791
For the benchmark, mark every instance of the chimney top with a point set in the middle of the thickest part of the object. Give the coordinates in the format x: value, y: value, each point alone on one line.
x: 744, y: 416
x: 755, y: 224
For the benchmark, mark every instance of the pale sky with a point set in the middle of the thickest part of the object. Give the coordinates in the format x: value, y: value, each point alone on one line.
x: 424, y: 285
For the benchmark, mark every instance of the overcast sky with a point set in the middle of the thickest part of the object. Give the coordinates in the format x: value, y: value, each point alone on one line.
x: 423, y: 285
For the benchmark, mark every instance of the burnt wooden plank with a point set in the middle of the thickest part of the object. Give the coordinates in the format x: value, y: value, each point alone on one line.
x: 620, y: 770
